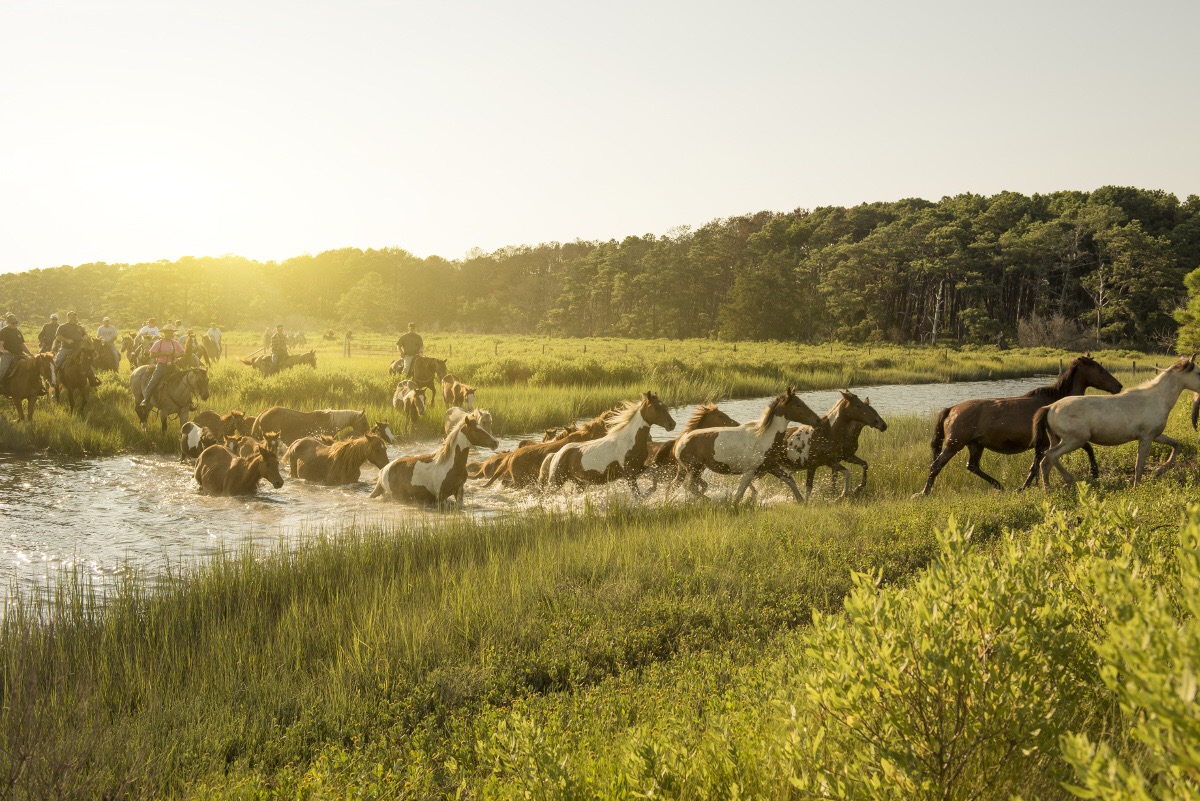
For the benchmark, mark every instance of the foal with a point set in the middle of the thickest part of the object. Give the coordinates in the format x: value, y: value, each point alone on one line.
x: 221, y: 472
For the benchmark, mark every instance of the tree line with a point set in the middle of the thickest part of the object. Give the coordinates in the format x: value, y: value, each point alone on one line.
x: 967, y: 268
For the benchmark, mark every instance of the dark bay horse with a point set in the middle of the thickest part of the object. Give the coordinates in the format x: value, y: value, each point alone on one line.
x: 1005, y: 425
x: 26, y: 382
x: 427, y: 371
x: 619, y: 454
x: 219, y: 471
x: 335, y: 464
x: 73, y: 377
x: 434, y: 478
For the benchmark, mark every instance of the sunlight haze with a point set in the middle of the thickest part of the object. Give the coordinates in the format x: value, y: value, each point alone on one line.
x: 139, y: 131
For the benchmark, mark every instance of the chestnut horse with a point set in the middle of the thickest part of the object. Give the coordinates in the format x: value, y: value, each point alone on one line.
x: 223, y: 425
x: 829, y: 442
x: 292, y: 424
x: 426, y: 371
x: 456, y: 393
x: 1005, y: 425
x: 26, y: 381
x: 263, y: 363
x: 434, y: 477
x: 245, y: 445
x: 520, y: 468
x: 336, y: 464
x: 454, y: 416
x: 660, y: 460
x: 742, y: 449
x: 620, y: 453
x: 221, y: 472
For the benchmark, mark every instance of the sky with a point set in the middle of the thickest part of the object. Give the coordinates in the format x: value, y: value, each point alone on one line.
x: 136, y: 131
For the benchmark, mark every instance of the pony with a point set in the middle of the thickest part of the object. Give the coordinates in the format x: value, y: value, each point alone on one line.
x: 72, y: 377
x: 292, y: 424
x: 244, y: 445
x: 454, y: 416
x: 263, y: 363
x: 520, y: 468
x: 434, y: 478
x: 25, y: 384
x: 426, y: 370
x: 1139, y: 413
x: 455, y: 393
x: 1003, y: 425
x: 620, y: 453
x: 410, y: 402
x: 829, y: 442
x: 336, y: 464
x: 194, y: 438
x: 741, y: 449
x: 212, y: 351
x: 222, y: 425
x: 174, y: 393
x: 660, y: 458
x: 103, y: 358
x: 219, y: 471
x: 383, y: 430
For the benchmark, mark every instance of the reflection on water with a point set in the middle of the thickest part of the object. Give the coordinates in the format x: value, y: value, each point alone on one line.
x: 99, y: 515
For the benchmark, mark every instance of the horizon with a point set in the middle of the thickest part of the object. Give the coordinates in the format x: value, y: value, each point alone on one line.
x: 135, y: 133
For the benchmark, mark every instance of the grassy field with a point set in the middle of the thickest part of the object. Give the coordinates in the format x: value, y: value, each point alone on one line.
x: 527, y: 383
x: 659, y: 651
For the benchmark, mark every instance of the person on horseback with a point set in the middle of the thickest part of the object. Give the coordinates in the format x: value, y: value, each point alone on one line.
x: 46, y: 335
x: 191, y: 349
x: 410, y: 346
x: 279, y: 349
x: 214, y: 334
x: 165, y: 351
x: 70, y: 338
x: 150, y: 329
x: 12, y: 348
x: 108, y: 333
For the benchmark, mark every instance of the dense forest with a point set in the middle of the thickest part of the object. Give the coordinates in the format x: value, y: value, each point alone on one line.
x: 1110, y: 264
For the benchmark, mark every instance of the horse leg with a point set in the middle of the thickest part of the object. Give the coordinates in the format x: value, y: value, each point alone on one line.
x: 789, y: 482
x: 859, y: 461
x: 950, y: 450
x: 162, y: 415
x: 1091, y: 454
x: 1050, y: 459
x: 974, y: 453
x: 810, y: 474
x: 1143, y: 455
x: 1175, y: 446
x: 633, y: 486
x: 837, y: 469
x: 747, y: 477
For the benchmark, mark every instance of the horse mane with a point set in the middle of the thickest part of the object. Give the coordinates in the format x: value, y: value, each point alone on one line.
x: 446, y: 452
x: 701, y: 412
x: 344, y: 448
x: 764, y: 422
x: 1062, y: 383
x: 624, y: 415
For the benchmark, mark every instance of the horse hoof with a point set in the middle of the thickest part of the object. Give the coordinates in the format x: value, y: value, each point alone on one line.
x: 916, y: 495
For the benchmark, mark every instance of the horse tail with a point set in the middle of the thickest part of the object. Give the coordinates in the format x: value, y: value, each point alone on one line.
x: 1041, y: 433
x: 500, y: 470
x: 939, y: 431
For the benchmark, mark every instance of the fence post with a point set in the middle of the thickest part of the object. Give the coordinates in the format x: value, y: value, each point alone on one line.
x: 452, y: 351
x: 1135, y: 365
x: 1060, y: 364
x: 543, y: 348
x: 496, y: 348
x: 585, y: 347
x: 735, y: 347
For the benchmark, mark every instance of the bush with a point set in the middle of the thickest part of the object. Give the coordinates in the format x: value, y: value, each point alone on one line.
x: 1055, y: 331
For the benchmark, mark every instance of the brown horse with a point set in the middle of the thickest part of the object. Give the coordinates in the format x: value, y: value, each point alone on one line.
x: 244, y: 445
x: 383, y: 430
x: 456, y: 393
x: 223, y: 425
x: 292, y: 424
x: 1005, y: 425
x: 488, y: 467
x: 173, y: 395
x: 336, y: 464
x: 410, y: 402
x: 829, y: 442
x: 263, y: 363
x: 660, y: 459
x: 73, y: 377
x: 742, y: 449
x: 434, y: 477
x: 426, y: 371
x: 221, y: 472
x: 454, y: 416
x: 25, y: 384
x: 620, y: 453
x: 520, y: 468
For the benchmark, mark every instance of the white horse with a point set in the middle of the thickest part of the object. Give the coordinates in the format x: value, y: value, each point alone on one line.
x: 1139, y: 413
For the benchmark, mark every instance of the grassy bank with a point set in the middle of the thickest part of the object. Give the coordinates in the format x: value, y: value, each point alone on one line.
x: 525, y: 389
x: 566, y: 657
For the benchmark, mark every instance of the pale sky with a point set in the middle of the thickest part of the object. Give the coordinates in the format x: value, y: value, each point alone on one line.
x: 137, y: 131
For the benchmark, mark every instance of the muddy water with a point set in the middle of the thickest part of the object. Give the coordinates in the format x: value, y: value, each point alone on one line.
x: 103, y: 516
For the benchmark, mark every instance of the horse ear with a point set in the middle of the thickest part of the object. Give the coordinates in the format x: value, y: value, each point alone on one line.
x: 1087, y: 355
x: 867, y: 400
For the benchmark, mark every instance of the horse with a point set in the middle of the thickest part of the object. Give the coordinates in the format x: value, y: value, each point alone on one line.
x: 520, y: 468
x: 103, y: 357
x: 1139, y: 413
x: 292, y: 424
x: 742, y: 449
x: 173, y: 394
x: 219, y: 471
x: 426, y: 370
x: 263, y: 363
x: 212, y: 351
x: 136, y: 348
x: 456, y: 393
x: 829, y: 442
x: 660, y: 458
x: 222, y: 425
x: 454, y: 416
x: 433, y: 478
x: 73, y: 376
x: 244, y: 445
x: 620, y: 453
x: 336, y: 464
x: 410, y: 402
x: 1004, y: 424
x: 194, y: 438
x: 383, y: 430
x: 25, y: 384
x: 396, y: 367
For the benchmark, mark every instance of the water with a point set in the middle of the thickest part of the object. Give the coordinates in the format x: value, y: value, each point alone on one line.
x: 102, y: 516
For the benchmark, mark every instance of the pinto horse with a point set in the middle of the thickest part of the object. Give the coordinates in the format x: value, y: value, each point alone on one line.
x: 434, y: 478
x: 742, y: 449
x: 456, y: 393
x: 620, y: 453
x: 25, y: 385
x: 660, y: 459
x: 410, y: 402
x: 1004, y: 425
x: 454, y: 416
x: 829, y: 442
x: 335, y: 464
x: 219, y: 471
x: 194, y: 438
x: 1139, y: 413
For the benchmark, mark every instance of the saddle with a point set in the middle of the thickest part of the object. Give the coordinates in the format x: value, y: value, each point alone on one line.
x: 169, y: 379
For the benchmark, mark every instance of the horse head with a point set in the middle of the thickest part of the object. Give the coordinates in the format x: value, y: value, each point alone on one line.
x: 377, y: 451
x: 197, y: 381
x: 792, y: 408
x: 269, y: 466
x: 360, y: 425
x: 439, y: 367
x: 1092, y: 374
x: 476, y: 434
x: 654, y: 412
x: 383, y: 430
x: 272, y: 442
x: 861, y: 411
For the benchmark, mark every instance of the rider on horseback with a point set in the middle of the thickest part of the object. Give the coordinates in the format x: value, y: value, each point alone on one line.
x: 165, y: 351
x: 108, y: 333
x: 12, y: 348
x: 279, y: 349
x: 410, y: 346
x: 71, y: 336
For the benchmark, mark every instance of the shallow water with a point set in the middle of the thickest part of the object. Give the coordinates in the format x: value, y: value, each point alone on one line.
x: 102, y: 516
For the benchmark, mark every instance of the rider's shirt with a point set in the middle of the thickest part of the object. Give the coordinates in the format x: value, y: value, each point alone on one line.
x: 410, y: 344
x: 215, y: 335
x: 279, y: 344
x: 107, y: 333
x: 148, y: 330
x: 166, y: 351
x: 13, y: 339
x: 71, y: 331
